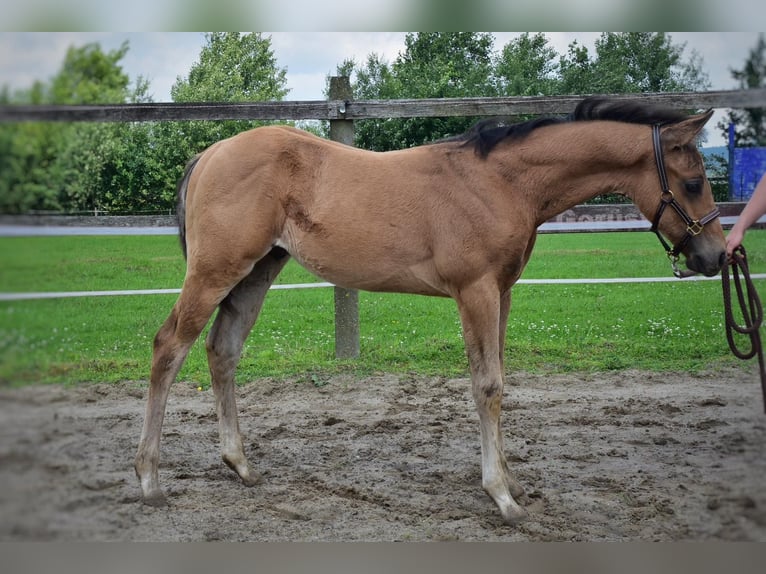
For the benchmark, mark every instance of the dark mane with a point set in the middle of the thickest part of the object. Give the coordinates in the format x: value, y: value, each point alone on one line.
x: 630, y: 111
x: 487, y: 134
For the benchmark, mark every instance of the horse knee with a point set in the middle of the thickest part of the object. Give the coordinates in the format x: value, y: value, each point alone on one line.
x: 488, y: 396
x: 491, y: 390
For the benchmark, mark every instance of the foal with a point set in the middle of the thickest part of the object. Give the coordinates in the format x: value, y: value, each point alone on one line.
x: 456, y: 218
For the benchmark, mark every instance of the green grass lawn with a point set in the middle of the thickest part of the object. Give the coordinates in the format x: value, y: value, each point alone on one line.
x: 553, y: 328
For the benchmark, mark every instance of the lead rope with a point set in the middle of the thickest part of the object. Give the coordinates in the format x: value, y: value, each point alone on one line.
x: 751, y: 309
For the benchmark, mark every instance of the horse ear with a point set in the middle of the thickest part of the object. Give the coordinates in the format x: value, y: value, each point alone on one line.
x: 686, y: 131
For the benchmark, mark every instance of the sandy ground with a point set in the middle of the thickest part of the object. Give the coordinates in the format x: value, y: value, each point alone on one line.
x: 618, y: 456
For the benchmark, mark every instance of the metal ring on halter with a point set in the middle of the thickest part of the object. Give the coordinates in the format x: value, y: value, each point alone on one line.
x: 669, y: 192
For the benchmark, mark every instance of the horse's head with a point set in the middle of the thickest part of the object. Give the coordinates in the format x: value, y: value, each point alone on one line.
x: 684, y: 211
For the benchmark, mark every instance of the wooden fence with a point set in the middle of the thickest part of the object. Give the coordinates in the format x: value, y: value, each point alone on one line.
x: 341, y: 110
x: 344, y: 108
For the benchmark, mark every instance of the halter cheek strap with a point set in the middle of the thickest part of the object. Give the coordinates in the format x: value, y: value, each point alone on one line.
x: 693, y: 226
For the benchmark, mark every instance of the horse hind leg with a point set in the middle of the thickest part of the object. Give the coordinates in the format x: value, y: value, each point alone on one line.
x: 236, y: 316
x: 188, y: 317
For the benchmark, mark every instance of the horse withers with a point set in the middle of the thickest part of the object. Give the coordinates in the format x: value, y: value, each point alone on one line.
x: 456, y: 218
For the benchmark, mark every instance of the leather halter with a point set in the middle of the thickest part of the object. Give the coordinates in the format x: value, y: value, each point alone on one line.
x: 693, y: 226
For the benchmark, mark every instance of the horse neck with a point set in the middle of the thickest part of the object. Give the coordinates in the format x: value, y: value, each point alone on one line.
x: 557, y: 171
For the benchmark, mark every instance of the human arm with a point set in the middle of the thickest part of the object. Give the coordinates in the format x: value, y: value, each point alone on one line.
x: 755, y: 208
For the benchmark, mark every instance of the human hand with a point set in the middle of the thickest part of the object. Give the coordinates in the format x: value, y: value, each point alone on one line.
x: 733, y: 240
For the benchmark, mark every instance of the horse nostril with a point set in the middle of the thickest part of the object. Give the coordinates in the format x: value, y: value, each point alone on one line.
x: 722, y: 259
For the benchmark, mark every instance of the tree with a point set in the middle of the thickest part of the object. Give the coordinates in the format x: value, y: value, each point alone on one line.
x: 576, y: 71
x: 150, y: 158
x: 91, y: 76
x: 123, y: 166
x: 93, y: 151
x: 30, y: 173
x: 631, y: 62
x: 527, y: 67
x: 439, y: 65
x: 750, y: 123
x: 52, y: 166
x: 433, y: 65
x: 232, y: 67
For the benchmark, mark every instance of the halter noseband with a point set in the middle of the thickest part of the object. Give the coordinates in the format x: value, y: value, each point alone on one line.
x: 693, y: 226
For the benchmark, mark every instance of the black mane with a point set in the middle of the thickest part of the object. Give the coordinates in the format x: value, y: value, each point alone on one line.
x: 630, y: 111
x: 487, y: 134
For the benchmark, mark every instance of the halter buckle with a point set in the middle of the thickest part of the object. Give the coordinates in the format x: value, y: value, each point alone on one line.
x: 694, y: 228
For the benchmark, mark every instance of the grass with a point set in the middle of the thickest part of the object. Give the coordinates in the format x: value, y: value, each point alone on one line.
x: 553, y: 328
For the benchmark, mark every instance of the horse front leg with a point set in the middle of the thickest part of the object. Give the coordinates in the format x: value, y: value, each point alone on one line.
x: 481, y: 312
x: 505, y: 308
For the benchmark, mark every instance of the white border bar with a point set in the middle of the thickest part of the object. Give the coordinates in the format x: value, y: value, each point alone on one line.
x: 70, y: 294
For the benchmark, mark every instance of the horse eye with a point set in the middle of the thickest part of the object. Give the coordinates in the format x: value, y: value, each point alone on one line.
x: 693, y: 186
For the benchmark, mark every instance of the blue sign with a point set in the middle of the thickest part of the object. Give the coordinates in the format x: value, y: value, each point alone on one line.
x: 747, y: 166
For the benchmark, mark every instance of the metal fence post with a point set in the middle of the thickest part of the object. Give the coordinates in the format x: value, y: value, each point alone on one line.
x: 346, y: 300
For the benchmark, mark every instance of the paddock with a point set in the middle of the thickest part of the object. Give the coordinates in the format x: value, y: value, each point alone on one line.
x: 616, y: 455
x: 629, y: 455
x: 621, y: 456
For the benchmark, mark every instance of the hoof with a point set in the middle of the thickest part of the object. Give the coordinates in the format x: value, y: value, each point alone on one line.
x: 251, y: 480
x: 155, y: 499
x: 516, y: 516
x: 242, y: 469
x: 517, y: 491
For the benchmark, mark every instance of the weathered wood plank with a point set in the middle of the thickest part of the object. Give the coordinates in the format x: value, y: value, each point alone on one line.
x: 363, y: 109
x: 513, y: 106
x: 347, y: 343
x: 171, y: 112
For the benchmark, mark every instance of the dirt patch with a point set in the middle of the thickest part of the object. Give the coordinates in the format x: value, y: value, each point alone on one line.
x: 622, y: 456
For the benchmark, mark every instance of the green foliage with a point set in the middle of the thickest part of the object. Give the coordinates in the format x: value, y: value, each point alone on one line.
x: 750, y: 123
x: 527, y: 67
x: 464, y: 64
x: 122, y: 167
x: 232, y: 67
x: 90, y: 76
x: 630, y: 62
x: 718, y: 173
x: 62, y: 167
x: 29, y: 166
x: 433, y: 65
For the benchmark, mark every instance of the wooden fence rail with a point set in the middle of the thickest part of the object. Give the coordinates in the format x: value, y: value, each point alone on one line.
x: 341, y: 110
x: 347, y: 109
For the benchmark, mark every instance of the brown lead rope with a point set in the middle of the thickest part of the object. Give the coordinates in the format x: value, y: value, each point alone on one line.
x: 752, y: 312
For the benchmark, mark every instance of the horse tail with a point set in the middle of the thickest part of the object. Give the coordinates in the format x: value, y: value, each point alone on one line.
x: 183, y: 185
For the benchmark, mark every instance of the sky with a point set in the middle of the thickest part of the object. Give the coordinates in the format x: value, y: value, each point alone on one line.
x: 310, y: 56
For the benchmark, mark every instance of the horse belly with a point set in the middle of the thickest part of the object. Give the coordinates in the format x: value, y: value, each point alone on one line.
x: 364, y: 265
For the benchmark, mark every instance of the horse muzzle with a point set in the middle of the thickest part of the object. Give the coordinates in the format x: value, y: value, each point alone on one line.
x: 708, y: 264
